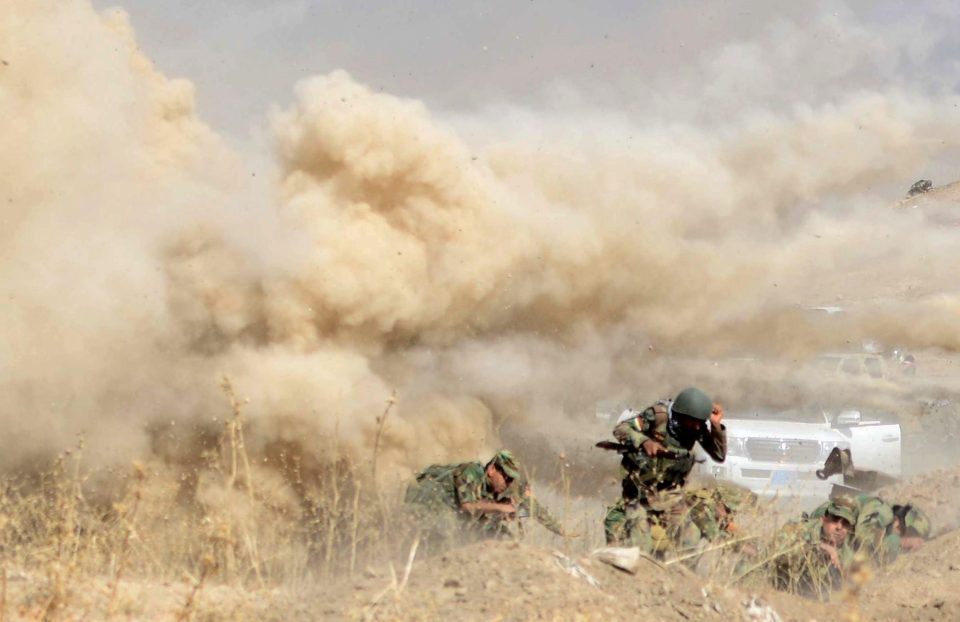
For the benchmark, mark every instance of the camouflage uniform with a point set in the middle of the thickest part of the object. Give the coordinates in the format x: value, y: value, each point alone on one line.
x: 652, y: 512
x: 873, y: 532
x: 713, y: 510
x: 801, y: 566
x: 437, y: 497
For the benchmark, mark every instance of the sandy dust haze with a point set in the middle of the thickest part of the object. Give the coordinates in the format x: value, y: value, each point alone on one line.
x: 511, y: 264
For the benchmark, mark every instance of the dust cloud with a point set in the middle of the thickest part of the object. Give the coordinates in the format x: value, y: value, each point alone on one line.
x: 510, y: 265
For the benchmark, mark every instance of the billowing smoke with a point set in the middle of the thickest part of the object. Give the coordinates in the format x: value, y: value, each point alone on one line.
x: 514, y: 265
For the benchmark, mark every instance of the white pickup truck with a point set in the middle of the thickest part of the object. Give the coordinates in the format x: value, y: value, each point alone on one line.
x: 779, y: 452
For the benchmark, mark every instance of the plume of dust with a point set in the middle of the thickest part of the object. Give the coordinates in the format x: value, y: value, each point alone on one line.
x: 521, y: 275
x: 102, y: 157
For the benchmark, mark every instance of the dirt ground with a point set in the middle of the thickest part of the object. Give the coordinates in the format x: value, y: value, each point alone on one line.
x: 510, y: 581
x: 533, y: 580
x: 920, y: 586
x: 515, y: 581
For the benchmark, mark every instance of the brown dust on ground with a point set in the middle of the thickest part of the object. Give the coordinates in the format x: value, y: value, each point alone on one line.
x: 498, y: 580
x: 512, y: 581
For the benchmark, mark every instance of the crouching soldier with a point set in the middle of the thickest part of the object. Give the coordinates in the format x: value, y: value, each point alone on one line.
x: 812, y: 556
x: 473, y: 500
x: 657, y: 457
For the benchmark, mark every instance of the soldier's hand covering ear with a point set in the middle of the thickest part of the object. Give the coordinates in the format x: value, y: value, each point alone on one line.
x: 716, y: 415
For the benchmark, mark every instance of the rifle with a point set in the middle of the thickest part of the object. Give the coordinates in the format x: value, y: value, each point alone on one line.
x: 623, y: 448
x: 613, y: 446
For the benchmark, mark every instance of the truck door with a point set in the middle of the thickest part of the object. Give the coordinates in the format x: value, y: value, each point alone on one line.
x: 875, y: 447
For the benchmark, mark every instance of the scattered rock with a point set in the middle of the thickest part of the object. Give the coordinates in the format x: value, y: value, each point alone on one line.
x: 624, y: 558
x: 759, y: 611
x: 574, y: 569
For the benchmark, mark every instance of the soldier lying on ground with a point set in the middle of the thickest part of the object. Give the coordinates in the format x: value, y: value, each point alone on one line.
x: 882, y: 530
x: 472, y: 500
x: 811, y: 557
x: 656, y: 446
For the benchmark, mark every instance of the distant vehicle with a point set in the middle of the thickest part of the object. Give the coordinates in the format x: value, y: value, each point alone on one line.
x: 825, y: 311
x: 938, y: 205
x: 920, y: 187
x: 778, y: 453
x: 866, y: 364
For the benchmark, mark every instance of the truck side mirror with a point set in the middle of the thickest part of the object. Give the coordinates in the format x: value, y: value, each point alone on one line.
x: 849, y: 417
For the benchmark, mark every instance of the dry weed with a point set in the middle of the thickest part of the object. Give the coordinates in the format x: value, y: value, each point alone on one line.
x: 81, y: 539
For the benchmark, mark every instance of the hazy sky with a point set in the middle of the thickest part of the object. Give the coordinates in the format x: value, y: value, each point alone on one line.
x: 245, y: 55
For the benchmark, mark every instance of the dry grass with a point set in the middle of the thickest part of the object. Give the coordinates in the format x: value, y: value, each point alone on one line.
x: 85, y: 543
x: 272, y: 532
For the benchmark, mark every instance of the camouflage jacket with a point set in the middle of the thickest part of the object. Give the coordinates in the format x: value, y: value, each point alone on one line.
x: 453, y: 485
x: 645, y: 476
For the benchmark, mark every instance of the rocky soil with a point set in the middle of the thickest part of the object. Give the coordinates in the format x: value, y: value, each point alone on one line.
x: 514, y: 581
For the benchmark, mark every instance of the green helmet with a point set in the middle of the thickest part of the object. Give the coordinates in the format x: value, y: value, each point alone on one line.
x: 505, y: 461
x: 693, y: 402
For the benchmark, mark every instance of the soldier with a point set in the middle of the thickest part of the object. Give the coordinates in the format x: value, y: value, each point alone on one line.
x: 883, y: 531
x: 873, y: 530
x: 813, y: 555
x: 657, y: 445
x: 474, y: 500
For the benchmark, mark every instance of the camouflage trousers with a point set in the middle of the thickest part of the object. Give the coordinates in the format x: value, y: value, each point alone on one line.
x: 656, y: 531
